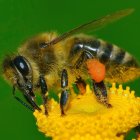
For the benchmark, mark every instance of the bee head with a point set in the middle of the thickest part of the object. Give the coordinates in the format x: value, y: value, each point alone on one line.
x: 18, y: 71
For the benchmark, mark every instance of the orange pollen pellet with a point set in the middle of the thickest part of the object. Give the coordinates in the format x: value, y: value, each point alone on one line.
x: 96, y: 70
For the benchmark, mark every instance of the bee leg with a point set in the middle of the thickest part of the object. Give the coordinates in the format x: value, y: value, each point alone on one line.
x: 101, y: 93
x: 20, y: 101
x: 29, y: 96
x: 44, y: 90
x: 65, y: 91
x: 81, y: 85
x: 31, y: 101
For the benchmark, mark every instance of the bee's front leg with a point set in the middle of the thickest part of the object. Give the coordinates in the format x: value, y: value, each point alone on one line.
x: 65, y: 91
x: 101, y: 93
x: 31, y: 101
x: 20, y: 101
x: 29, y: 96
x: 44, y: 90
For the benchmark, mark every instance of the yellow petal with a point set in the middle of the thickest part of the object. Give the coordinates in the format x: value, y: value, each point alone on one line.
x: 87, y: 119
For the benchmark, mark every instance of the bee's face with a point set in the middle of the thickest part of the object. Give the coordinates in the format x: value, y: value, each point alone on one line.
x: 18, y: 71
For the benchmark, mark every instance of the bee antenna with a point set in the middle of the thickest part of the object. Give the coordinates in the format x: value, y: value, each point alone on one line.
x: 19, y: 100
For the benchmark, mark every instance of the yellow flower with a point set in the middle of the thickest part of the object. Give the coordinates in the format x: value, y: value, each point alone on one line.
x: 87, y: 119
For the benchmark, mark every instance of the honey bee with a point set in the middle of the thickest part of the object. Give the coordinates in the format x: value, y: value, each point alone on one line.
x: 49, y: 61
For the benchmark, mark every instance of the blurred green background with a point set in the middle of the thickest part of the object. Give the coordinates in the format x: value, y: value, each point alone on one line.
x: 21, y: 19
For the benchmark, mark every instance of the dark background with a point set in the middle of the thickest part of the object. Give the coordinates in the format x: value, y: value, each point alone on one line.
x: 21, y: 19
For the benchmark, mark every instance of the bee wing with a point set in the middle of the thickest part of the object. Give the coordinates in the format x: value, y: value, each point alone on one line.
x: 92, y: 25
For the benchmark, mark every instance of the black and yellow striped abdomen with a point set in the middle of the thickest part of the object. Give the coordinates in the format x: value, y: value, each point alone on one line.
x: 112, y: 54
x: 120, y: 65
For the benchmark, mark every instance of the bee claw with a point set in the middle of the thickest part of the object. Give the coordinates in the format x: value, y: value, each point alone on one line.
x: 62, y: 112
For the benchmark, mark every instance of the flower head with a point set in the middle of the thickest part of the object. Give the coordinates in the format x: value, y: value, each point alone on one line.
x: 87, y: 119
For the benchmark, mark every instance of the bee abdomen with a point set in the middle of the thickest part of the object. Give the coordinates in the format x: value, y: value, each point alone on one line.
x: 111, y: 54
x: 119, y: 56
x: 105, y: 52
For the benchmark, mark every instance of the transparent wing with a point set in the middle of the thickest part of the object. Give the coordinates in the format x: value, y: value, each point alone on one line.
x: 92, y: 25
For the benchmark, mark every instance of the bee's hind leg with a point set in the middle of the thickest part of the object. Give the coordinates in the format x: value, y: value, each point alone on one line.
x: 65, y: 91
x: 44, y: 90
x: 101, y: 93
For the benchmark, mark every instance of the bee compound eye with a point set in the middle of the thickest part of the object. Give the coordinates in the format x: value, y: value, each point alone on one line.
x: 21, y: 64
